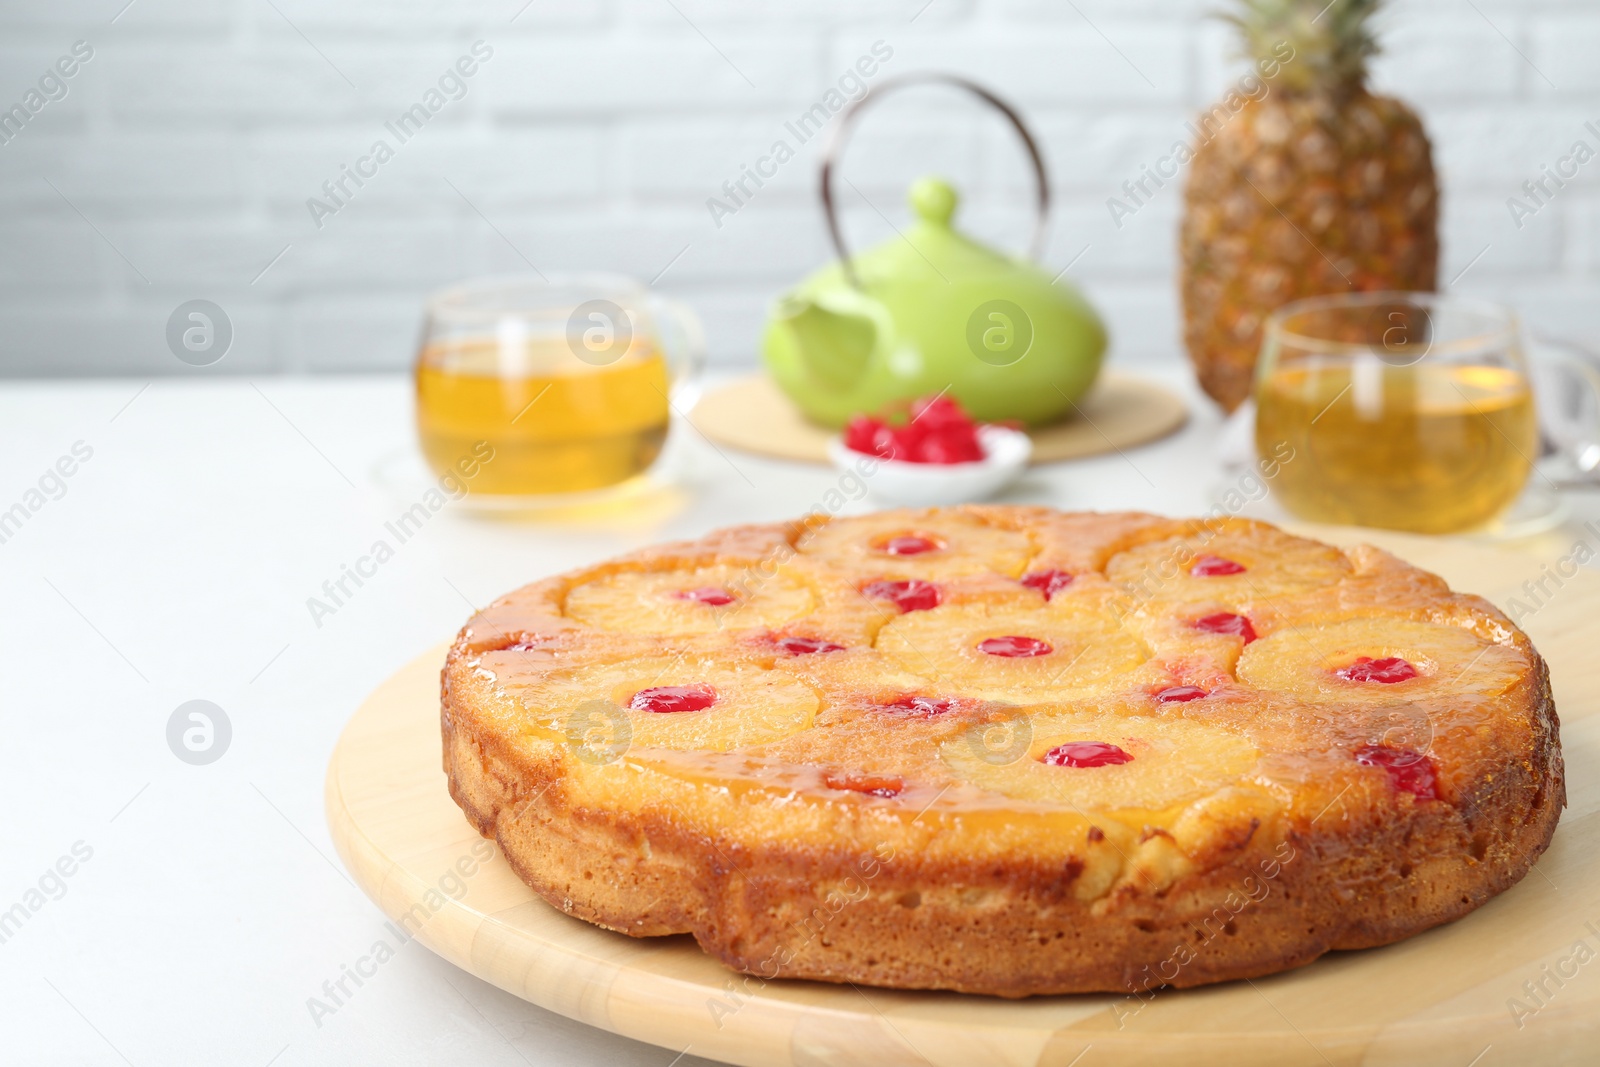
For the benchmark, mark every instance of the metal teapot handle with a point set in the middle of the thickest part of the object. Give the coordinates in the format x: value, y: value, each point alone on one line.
x: 840, y: 135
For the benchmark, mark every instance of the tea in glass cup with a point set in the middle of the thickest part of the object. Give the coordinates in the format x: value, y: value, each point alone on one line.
x: 568, y: 380
x: 1408, y: 411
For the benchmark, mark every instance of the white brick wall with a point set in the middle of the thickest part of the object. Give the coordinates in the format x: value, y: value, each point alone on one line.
x: 185, y: 150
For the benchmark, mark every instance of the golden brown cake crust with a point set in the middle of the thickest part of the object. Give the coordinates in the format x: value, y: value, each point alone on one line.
x: 817, y: 822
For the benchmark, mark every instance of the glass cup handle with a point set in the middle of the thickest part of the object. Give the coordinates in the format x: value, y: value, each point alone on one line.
x: 1571, y: 417
x: 683, y: 343
x: 1585, y: 448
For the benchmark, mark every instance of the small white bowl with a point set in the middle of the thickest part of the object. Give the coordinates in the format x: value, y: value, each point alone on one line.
x: 926, y: 485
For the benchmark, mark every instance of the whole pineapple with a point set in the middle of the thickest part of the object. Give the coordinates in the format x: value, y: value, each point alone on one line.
x: 1302, y: 185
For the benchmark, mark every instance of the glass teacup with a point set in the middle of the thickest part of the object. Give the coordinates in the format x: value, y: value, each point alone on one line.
x: 564, y: 383
x: 1409, y: 411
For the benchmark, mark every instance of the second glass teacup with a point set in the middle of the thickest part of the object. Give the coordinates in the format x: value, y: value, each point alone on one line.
x: 1409, y: 411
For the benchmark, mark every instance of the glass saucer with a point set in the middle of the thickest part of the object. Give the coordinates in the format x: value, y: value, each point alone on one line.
x: 405, y: 477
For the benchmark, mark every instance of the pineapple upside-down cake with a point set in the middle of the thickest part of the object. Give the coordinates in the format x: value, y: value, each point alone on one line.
x: 1006, y: 750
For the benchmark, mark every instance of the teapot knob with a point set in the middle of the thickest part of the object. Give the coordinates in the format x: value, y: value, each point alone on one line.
x: 933, y: 200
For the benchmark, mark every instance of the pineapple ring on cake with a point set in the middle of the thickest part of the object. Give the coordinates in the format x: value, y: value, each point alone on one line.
x: 688, y: 703
x: 1001, y: 653
x: 1227, y: 565
x: 930, y: 544
x: 701, y: 600
x: 1012, y: 740
x: 1100, y: 762
x: 1380, y: 660
x: 843, y: 677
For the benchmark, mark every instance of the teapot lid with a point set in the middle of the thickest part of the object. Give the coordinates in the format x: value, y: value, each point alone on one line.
x: 931, y: 248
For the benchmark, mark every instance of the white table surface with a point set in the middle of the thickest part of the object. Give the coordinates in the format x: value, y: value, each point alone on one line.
x: 177, y: 566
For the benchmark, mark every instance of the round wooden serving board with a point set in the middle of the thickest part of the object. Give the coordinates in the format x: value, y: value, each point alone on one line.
x: 1121, y: 411
x: 1455, y: 995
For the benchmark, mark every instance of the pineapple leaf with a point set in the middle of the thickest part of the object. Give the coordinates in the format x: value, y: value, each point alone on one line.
x: 1332, y: 41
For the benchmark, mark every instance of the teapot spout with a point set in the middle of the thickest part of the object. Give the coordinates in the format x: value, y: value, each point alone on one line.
x: 833, y: 346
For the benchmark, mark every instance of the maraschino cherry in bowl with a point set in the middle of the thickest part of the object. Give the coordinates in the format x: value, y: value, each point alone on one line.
x: 930, y: 454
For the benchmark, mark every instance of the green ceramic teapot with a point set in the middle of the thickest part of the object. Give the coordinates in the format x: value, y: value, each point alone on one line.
x: 932, y: 310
